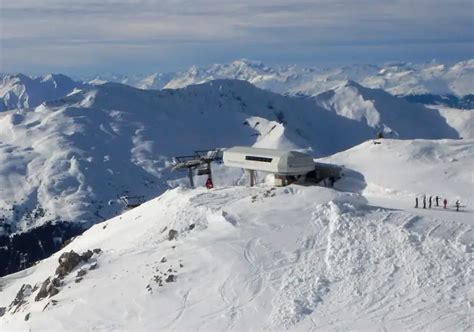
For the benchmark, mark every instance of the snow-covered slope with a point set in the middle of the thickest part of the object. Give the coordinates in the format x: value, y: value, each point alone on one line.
x: 71, y: 157
x: 155, y: 81
x: 394, y: 116
x: 438, y: 79
x: 459, y: 119
x: 299, y: 258
x: 466, y: 102
x: 410, y: 168
x: 21, y: 91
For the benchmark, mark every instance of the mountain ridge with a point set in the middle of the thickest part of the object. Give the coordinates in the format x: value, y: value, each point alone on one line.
x: 72, y: 159
x: 434, y: 83
x: 22, y: 91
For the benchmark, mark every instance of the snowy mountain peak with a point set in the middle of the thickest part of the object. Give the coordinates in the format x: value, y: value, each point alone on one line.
x: 17, y: 77
x: 21, y: 91
x: 350, y: 84
x: 154, y: 81
x: 58, y: 78
x: 462, y: 65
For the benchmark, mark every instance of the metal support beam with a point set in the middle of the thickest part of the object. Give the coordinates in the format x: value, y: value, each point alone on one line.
x: 190, y: 175
x: 210, y: 169
x: 252, y: 177
x: 201, y: 161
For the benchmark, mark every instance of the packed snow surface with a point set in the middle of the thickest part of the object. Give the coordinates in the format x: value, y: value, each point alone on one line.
x: 360, y: 257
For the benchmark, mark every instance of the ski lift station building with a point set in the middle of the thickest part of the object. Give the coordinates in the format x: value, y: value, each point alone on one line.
x: 285, y: 165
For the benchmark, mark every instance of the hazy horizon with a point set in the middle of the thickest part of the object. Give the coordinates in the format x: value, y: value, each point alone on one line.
x: 122, y: 36
x: 104, y: 73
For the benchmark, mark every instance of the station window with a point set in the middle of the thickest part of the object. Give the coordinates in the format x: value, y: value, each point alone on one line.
x: 262, y: 159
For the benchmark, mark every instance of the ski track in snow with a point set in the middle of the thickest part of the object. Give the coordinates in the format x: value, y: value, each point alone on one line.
x: 317, y: 267
x: 312, y: 278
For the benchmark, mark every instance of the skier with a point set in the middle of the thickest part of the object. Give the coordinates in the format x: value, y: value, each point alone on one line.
x: 424, y: 201
x: 437, y: 200
x: 445, y: 203
x: 209, y: 184
x: 416, y: 202
x: 429, y: 202
x: 457, y: 205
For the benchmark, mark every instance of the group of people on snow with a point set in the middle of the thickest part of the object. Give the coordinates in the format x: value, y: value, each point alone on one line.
x: 436, y: 201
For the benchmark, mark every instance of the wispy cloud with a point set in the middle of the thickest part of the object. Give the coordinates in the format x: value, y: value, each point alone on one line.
x: 91, y: 34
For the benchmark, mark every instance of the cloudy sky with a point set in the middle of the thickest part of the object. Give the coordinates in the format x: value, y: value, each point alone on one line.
x: 125, y: 36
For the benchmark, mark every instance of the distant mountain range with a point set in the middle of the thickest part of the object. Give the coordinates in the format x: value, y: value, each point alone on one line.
x: 398, y: 79
x: 401, y: 79
x: 432, y: 83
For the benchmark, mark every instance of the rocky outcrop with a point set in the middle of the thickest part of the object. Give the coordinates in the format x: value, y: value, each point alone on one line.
x: 48, y: 288
x: 171, y: 278
x: 21, y: 297
x: 172, y: 234
x: 69, y: 260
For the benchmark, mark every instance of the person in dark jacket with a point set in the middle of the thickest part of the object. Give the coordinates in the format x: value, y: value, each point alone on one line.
x: 445, y: 203
x: 424, y: 201
x: 437, y: 200
x: 429, y: 202
x: 416, y: 202
x: 457, y: 205
x: 209, y: 184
